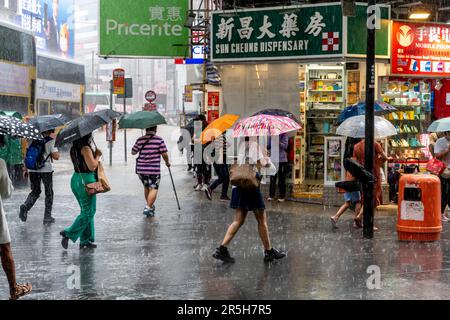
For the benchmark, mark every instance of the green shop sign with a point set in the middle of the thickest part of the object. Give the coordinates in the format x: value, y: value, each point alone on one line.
x: 303, y: 32
x: 277, y: 33
x: 143, y: 28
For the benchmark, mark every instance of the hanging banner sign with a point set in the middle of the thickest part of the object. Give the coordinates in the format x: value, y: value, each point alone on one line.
x: 213, y: 115
x: 213, y: 99
x: 188, y: 96
x: 119, y: 81
x: 420, y: 49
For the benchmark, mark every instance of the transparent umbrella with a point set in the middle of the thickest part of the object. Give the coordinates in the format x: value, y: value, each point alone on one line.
x: 355, y: 127
x: 441, y: 125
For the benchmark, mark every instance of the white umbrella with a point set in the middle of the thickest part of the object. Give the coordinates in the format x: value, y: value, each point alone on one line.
x: 355, y: 127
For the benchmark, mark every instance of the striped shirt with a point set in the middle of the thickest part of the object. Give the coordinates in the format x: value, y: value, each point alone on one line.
x: 150, y: 148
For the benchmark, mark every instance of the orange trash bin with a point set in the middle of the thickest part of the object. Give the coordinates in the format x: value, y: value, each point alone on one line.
x: 419, y: 208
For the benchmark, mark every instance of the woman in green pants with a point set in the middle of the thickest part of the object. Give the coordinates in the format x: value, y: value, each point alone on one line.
x: 85, y: 162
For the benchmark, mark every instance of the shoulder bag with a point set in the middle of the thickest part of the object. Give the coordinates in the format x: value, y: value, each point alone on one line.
x: 436, y: 166
x: 102, y: 183
x: 244, y: 176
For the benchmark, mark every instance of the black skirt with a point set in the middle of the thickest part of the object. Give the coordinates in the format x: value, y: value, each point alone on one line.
x: 249, y: 200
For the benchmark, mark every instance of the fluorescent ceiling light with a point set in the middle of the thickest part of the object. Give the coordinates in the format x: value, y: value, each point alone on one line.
x: 419, y: 13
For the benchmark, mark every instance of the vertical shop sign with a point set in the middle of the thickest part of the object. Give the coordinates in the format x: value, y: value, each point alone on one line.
x: 213, y: 99
x: 111, y: 129
x: 119, y: 81
x: 188, y: 95
x: 213, y: 115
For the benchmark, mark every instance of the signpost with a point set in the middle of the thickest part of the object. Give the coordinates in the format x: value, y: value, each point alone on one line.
x: 119, y: 81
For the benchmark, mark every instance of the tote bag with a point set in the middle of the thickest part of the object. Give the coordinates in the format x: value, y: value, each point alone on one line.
x: 102, y: 183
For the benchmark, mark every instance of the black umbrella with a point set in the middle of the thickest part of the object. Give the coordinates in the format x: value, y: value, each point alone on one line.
x: 16, y: 128
x: 84, y: 125
x: 278, y: 112
x: 50, y: 122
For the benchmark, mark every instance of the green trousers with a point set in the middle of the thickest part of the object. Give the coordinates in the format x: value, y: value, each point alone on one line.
x: 83, y: 226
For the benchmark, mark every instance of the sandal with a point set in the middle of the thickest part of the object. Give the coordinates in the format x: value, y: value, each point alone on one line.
x: 334, y: 223
x: 21, y: 290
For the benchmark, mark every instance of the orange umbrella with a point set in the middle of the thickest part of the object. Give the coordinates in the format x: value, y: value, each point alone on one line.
x: 218, y: 126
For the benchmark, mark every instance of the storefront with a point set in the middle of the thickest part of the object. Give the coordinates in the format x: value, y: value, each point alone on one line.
x: 309, y: 66
x: 417, y: 87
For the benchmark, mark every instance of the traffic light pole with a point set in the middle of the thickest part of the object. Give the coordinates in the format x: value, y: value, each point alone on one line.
x: 369, y: 199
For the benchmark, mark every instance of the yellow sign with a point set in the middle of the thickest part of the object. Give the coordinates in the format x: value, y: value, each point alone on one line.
x: 188, y: 97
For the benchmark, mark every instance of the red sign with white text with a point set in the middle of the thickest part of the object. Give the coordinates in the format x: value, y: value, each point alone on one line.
x: 420, y: 49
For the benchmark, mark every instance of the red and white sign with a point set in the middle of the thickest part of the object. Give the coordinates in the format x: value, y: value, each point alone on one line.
x: 119, y: 81
x: 420, y: 49
x: 213, y: 99
x: 150, y: 96
x: 150, y: 107
x: 330, y: 41
x: 213, y: 115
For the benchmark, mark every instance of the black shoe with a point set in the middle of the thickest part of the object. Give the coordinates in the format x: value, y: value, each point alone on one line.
x: 49, y: 220
x: 208, y: 193
x: 273, y: 254
x: 223, y: 255
x: 23, y: 213
x: 88, y: 246
x: 65, y: 240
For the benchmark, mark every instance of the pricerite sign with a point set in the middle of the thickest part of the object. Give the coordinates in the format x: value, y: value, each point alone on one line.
x: 420, y: 49
x: 143, y: 28
x: 280, y: 33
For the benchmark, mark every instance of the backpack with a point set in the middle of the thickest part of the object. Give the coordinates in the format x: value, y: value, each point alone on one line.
x: 34, y: 158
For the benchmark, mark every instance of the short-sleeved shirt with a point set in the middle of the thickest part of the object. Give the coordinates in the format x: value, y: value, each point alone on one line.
x: 150, y: 148
x: 49, y: 149
x: 441, y: 146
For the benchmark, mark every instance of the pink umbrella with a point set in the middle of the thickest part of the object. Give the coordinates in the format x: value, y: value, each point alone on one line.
x: 264, y: 125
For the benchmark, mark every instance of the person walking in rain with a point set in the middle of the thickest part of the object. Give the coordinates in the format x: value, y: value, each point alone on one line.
x: 221, y: 168
x: 16, y: 290
x: 148, y: 166
x: 245, y: 200
x: 44, y: 174
x: 283, y: 167
x: 85, y: 162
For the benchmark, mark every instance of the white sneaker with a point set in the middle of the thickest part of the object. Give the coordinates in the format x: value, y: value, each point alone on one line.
x: 444, y: 218
x: 281, y: 200
x: 198, y: 187
x: 270, y: 199
x: 204, y: 187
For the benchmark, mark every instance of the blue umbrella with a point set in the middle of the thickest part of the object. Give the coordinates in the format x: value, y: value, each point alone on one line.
x: 359, y: 109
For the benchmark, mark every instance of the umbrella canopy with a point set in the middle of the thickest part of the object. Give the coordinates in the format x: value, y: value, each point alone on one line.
x: 264, y: 125
x: 141, y: 120
x: 359, y: 109
x: 441, y: 125
x: 16, y: 128
x: 47, y: 123
x: 278, y: 112
x: 355, y: 127
x: 14, y: 114
x: 84, y: 125
x: 218, y: 126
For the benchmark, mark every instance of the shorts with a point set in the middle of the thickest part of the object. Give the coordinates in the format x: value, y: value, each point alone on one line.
x: 352, y: 197
x: 4, y: 231
x: 150, y: 181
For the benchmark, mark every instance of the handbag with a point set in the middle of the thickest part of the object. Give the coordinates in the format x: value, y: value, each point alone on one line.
x: 101, y: 185
x: 436, y: 166
x: 244, y: 176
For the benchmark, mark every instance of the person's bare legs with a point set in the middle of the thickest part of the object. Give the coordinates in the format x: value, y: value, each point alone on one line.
x: 8, y: 266
x: 341, y: 211
x: 151, y: 197
x: 263, y: 229
x: 239, y: 219
x: 146, y: 193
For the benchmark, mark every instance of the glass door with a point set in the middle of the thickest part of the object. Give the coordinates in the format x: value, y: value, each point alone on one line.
x: 334, y: 160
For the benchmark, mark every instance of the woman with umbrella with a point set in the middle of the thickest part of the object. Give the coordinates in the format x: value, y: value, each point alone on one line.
x: 245, y: 200
x: 85, y: 159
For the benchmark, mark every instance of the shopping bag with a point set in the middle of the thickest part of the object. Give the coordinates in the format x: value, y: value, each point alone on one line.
x: 436, y: 166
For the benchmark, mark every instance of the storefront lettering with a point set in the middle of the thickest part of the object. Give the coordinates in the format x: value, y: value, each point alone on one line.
x: 265, y: 29
x: 316, y: 25
x: 289, y: 25
x: 247, y: 30
x: 259, y: 47
x: 157, y: 13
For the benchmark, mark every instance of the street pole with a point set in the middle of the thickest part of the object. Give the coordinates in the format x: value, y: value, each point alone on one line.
x: 110, y: 107
x: 125, y: 131
x: 369, y: 200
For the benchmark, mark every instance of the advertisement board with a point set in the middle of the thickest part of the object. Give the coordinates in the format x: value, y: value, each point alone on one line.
x: 57, y: 91
x: 188, y: 94
x: 213, y: 99
x: 143, y: 28
x: 14, y: 79
x: 52, y: 21
x: 420, y: 49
